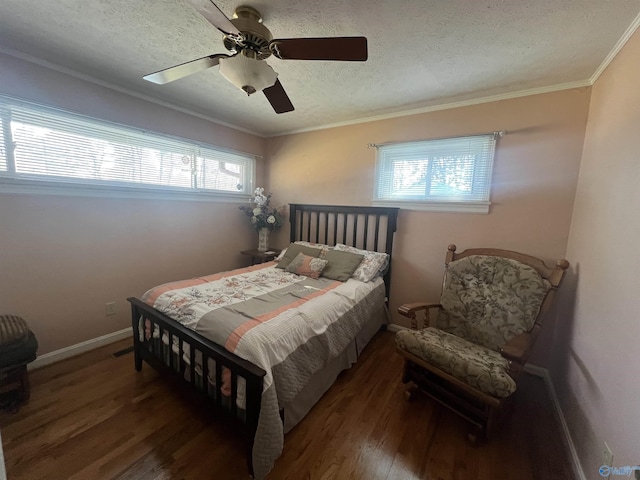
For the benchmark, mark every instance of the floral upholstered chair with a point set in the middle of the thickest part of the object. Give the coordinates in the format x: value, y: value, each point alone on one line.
x: 490, y: 313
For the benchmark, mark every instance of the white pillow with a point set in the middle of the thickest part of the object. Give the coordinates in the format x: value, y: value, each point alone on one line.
x: 373, y: 265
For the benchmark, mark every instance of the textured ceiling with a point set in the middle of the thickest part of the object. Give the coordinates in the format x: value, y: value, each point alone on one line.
x: 421, y: 52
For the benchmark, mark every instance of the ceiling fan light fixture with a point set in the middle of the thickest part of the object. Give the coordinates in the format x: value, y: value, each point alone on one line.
x: 247, y: 73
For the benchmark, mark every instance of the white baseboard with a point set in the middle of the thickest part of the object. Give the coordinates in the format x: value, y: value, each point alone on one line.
x: 544, y: 374
x: 78, y: 348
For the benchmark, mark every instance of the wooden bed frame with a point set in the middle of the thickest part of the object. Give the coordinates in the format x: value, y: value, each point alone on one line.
x: 369, y: 228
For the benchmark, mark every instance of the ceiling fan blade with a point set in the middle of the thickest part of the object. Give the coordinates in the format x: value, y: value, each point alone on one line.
x: 184, y: 69
x: 214, y: 15
x: 330, y: 48
x: 278, y: 98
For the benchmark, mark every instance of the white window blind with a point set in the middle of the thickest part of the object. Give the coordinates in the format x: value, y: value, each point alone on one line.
x: 452, y: 174
x: 48, y: 145
x: 3, y: 149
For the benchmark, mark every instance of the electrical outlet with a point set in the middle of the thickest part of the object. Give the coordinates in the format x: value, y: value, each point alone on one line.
x: 110, y: 309
x: 607, y: 456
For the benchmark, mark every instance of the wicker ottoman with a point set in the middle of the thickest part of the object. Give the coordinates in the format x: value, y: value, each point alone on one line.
x: 18, y: 347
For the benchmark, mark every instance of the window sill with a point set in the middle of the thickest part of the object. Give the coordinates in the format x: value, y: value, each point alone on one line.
x: 9, y: 186
x: 442, y: 207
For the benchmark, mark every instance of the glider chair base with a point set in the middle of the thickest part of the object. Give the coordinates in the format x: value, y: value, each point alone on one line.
x: 482, y: 411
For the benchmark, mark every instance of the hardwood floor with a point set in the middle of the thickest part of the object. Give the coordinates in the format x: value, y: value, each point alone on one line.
x: 95, y: 417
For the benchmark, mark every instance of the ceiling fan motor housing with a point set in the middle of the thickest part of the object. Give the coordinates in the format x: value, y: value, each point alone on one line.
x: 255, y: 36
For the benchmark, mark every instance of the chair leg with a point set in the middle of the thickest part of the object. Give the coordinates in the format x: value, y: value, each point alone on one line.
x: 491, y: 419
x: 16, y: 389
x: 481, y: 431
x: 409, y: 392
x: 478, y: 434
x: 484, y: 431
x: 406, y: 377
x: 24, y: 383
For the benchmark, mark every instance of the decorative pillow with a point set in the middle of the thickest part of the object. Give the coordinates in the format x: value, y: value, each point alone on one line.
x: 372, y: 266
x: 323, y: 248
x: 385, y: 267
x: 305, y: 265
x: 293, y: 250
x: 341, y: 265
x: 320, y: 246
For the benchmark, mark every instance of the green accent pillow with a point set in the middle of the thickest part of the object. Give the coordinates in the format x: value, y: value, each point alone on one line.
x: 341, y: 265
x: 292, y: 252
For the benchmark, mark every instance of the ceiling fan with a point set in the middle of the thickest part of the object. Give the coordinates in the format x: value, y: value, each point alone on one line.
x: 250, y: 43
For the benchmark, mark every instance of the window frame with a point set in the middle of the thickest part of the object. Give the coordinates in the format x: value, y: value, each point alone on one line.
x: 384, y: 193
x: 12, y: 181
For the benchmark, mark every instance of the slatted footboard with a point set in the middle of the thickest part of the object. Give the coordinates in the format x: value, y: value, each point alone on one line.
x: 165, y: 344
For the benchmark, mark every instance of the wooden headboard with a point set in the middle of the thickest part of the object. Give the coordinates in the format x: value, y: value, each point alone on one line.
x: 367, y: 228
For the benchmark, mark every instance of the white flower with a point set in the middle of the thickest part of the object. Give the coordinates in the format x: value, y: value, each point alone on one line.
x: 254, y: 219
x: 257, y: 211
x: 271, y: 219
x: 259, y: 197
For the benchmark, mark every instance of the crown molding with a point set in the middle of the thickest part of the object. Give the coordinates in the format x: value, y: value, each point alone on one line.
x: 446, y: 106
x: 616, y: 49
x: 112, y: 86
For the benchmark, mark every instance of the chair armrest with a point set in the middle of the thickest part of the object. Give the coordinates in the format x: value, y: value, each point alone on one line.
x: 518, y: 348
x: 409, y: 310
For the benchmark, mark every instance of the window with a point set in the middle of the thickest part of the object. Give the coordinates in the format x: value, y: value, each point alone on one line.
x: 41, y: 146
x: 451, y: 174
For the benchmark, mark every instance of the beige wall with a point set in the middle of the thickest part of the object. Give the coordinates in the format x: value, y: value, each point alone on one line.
x: 63, y: 258
x: 535, y: 174
x: 596, y: 370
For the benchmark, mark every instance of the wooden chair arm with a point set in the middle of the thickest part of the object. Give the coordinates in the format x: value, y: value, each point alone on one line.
x: 409, y: 310
x: 518, y: 348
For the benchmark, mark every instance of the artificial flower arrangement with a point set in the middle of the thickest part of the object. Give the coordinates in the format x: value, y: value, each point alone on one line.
x: 262, y: 215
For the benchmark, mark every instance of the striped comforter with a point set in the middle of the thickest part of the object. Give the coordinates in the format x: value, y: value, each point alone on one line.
x: 291, y: 326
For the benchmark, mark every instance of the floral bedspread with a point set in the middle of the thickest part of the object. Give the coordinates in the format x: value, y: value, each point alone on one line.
x: 289, y: 325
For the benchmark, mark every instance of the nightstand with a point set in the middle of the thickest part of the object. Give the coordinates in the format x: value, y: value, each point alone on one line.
x: 261, y: 257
